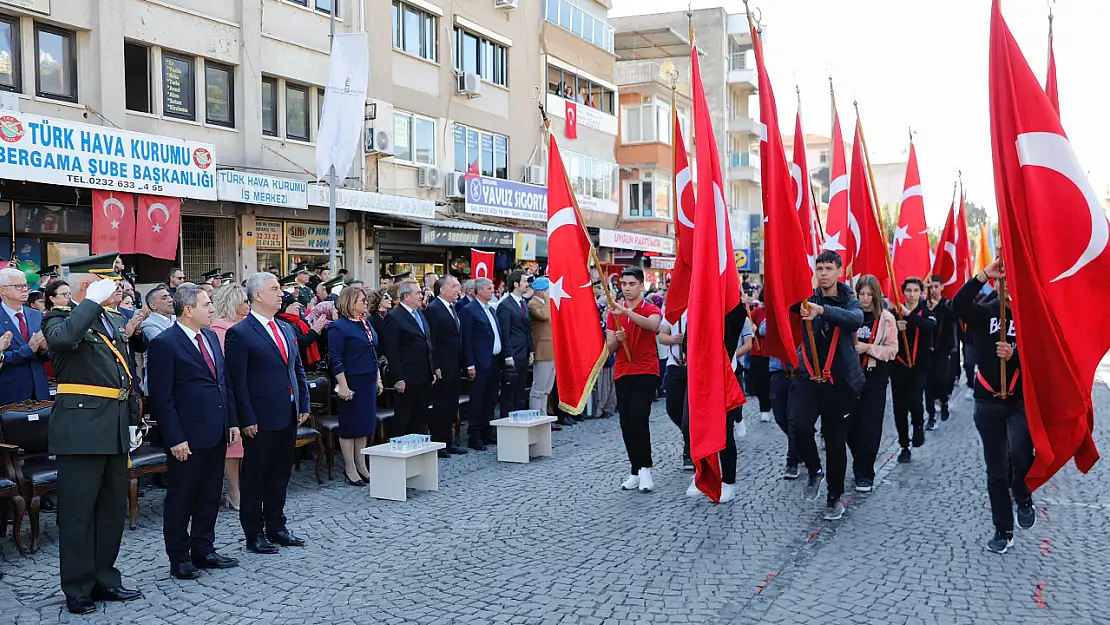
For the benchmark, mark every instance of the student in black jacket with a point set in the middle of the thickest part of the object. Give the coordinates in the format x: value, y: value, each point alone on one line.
x: 1007, y: 447
x: 938, y: 385
x: 911, y: 366
x: 828, y: 385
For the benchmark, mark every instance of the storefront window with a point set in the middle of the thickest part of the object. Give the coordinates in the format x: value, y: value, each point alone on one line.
x: 46, y: 234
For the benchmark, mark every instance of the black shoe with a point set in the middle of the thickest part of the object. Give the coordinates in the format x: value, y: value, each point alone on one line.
x: 285, y: 538
x: 944, y: 412
x: 185, y: 570
x: 215, y: 561
x: 119, y: 593
x: 687, y: 463
x: 904, y: 455
x: 443, y: 453
x: 566, y: 421
x: 80, y: 605
x: 864, y: 484
x: 476, y: 445
x: 931, y: 424
x: 1001, y: 542
x: 1026, y: 515
x: 555, y: 427
x: 456, y: 451
x: 791, y: 472
x: 813, y: 486
x: 351, y: 482
x: 259, y: 544
x: 833, y: 510
x: 918, y: 437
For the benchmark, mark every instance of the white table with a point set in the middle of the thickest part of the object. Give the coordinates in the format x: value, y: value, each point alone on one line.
x: 392, y: 473
x: 520, y: 441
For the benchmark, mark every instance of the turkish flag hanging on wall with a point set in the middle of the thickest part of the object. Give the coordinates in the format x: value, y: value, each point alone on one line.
x: 572, y: 119
x: 158, y: 226
x: 113, y: 222
x: 481, y: 264
x: 611, y: 272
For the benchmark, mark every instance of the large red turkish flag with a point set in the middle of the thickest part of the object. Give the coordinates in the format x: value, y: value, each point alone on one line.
x: 678, y: 293
x: 803, y: 194
x: 1054, y: 238
x: 113, y: 222
x: 575, y: 327
x: 841, y: 230
x: 911, y: 238
x: 481, y: 264
x: 871, y: 257
x: 714, y: 291
x: 158, y: 226
x: 946, y: 265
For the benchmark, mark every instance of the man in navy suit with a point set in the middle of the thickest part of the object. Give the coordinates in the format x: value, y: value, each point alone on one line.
x: 262, y: 357
x: 443, y: 328
x: 22, y: 376
x: 483, y: 356
x: 408, y: 348
x: 516, y: 331
x: 191, y: 399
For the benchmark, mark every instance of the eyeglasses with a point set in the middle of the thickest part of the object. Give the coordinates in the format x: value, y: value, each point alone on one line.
x: 18, y: 287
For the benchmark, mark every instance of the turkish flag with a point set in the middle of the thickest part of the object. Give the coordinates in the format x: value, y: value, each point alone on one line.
x: 1050, y: 88
x: 678, y: 293
x: 158, y: 226
x: 714, y: 291
x: 946, y: 264
x: 481, y: 264
x: 911, y: 239
x: 611, y: 272
x: 963, y: 241
x: 575, y: 327
x: 1054, y: 239
x: 571, y: 115
x: 842, y: 233
x: 803, y: 194
x: 872, y: 255
x: 113, y: 222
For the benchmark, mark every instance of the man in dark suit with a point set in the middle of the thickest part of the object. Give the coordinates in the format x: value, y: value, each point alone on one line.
x: 484, y: 359
x: 443, y: 328
x: 262, y: 357
x: 516, y: 331
x: 467, y: 294
x: 192, y: 402
x: 408, y: 347
x: 22, y: 376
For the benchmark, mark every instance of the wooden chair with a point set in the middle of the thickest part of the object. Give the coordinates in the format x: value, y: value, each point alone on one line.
x: 26, y: 427
x: 10, y: 495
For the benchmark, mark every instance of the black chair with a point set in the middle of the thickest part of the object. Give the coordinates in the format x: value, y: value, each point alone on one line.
x: 147, y: 459
x: 10, y: 495
x: 321, y: 404
x: 309, y: 431
x: 35, y: 472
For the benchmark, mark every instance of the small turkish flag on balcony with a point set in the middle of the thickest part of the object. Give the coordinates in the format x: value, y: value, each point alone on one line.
x: 572, y: 119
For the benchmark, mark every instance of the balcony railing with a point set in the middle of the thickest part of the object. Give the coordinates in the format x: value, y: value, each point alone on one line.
x: 637, y: 72
x: 573, y: 19
x: 738, y: 60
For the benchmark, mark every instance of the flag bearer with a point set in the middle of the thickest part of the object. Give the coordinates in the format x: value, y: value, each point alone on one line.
x: 911, y: 366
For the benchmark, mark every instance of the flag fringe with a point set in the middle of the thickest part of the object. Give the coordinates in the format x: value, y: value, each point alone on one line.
x: 589, y: 388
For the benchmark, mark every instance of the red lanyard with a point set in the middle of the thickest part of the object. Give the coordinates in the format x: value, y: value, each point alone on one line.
x: 871, y: 339
x: 983, y: 383
x: 913, y: 356
x: 826, y: 371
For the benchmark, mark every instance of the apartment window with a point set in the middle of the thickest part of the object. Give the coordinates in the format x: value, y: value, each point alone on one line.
x: 591, y: 177
x: 414, y: 31
x: 490, y: 149
x: 296, y: 112
x: 414, y: 138
x: 219, y: 94
x: 646, y: 122
x: 484, y: 57
x: 325, y: 6
x: 823, y: 158
x: 269, y: 106
x: 10, y: 73
x: 571, y: 15
x: 56, y: 74
x: 178, y: 94
x: 570, y: 86
x: 136, y: 77
x: 640, y: 199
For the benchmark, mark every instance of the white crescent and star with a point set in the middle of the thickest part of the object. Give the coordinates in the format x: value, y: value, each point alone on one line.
x: 1054, y: 152
x: 682, y: 180
x: 562, y: 217
x: 165, y: 211
x: 116, y: 203
x: 796, y: 174
x: 950, y: 249
x: 482, y: 270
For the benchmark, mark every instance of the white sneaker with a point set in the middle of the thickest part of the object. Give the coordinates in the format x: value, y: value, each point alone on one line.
x: 728, y: 491
x: 766, y: 417
x: 692, y: 491
x: 646, y: 485
x: 740, y: 429
x: 632, y: 482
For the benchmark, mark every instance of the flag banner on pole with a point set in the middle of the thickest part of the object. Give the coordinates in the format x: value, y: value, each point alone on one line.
x: 841, y: 229
x: 339, y: 138
x: 871, y: 255
x: 158, y: 226
x: 803, y: 194
x: 1054, y: 239
x: 910, y: 257
x: 963, y: 241
x: 678, y: 290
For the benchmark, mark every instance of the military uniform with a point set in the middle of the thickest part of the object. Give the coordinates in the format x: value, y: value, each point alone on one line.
x: 93, y: 409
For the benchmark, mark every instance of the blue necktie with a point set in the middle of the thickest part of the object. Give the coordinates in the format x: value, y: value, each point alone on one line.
x: 416, y: 315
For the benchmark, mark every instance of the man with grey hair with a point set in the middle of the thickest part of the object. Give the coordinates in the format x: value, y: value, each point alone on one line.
x: 484, y: 358
x: 408, y: 347
x: 467, y: 294
x: 23, y: 376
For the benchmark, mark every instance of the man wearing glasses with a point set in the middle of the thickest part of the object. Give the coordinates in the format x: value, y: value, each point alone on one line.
x: 22, y: 376
x: 176, y: 279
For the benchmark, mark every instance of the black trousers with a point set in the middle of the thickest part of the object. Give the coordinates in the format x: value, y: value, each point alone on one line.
x: 969, y: 364
x: 92, y: 505
x: 514, y: 387
x: 865, y: 426
x: 677, y: 405
x: 411, y: 413
x: 1008, y: 453
x: 780, y: 406
x: 193, y: 491
x: 483, y: 397
x: 634, y: 396
x: 264, y: 478
x: 907, y: 387
x: 445, y: 406
x: 938, y: 386
x: 834, y: 404
x: 759, y: 381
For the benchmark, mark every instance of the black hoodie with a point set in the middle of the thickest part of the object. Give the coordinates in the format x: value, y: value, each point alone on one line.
x: 920, y: 326
x: 983, y: 327
x: 842, y: 311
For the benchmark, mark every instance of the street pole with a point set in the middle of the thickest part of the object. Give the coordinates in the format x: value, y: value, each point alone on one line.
x: 331, y: 171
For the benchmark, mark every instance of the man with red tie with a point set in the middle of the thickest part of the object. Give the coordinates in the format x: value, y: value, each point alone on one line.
x: 191, y: 399
x: 22, y: 376
x: 262, y: 357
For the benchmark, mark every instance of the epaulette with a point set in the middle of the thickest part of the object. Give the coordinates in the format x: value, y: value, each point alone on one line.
x: 113, y: 311
x: 62, y: 308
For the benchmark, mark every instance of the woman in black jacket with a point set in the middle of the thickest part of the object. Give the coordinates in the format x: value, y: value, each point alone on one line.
x: 307, y: 335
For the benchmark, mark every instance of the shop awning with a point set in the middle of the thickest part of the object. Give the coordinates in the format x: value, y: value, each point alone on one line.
x: 459, y: 233
x: 459, y: 224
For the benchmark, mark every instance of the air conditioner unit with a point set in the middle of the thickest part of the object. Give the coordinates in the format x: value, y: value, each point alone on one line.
x: 428, y: 177
x: 468, y: 84
x: 379, y: 141
x: 455, y: 187
x: 505, y: 4
x: 534, y: 174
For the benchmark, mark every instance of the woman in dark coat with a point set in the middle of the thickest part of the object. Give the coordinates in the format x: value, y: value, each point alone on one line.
x: 353, y: 358
x: 307, y: 335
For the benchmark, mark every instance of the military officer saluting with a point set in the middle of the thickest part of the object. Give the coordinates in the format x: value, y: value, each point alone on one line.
x: 89, y: 432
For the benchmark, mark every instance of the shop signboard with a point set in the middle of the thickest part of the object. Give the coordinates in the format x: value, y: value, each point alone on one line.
x: 311, y: 236
x: 662, y: 262
x: 626, y: 240
x: 525, y: 246
x: 267, y: 234
x: 505, y: 198
x: 239, y: 186
x: 458, y: 237
x: 369, y: 202
x: 72, y: 154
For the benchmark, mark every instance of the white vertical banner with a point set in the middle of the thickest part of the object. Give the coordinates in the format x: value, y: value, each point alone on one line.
x: 341, y: 122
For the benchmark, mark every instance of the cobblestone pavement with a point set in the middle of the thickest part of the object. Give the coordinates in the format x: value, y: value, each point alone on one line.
x: 556, y: 541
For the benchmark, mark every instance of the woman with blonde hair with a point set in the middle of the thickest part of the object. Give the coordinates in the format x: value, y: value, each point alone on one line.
x: 877, y: 345
x: 231, y: 305
x: 353, y: 359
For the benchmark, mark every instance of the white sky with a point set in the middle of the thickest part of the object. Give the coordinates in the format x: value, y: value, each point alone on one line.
x: 924, y: 63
